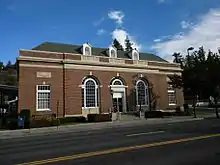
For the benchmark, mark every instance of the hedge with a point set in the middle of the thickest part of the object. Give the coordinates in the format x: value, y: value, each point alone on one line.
x: 44, y: 121
x: 72, y: 119
x: 154, y: 114
x: 98, y: 117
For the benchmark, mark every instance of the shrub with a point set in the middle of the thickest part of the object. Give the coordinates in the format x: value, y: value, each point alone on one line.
x: 178, y: 109
x: 44, y: 121
x: 72, y: 119
x: 98, y: 117
x: 154, y: 114
x: 168, y: 113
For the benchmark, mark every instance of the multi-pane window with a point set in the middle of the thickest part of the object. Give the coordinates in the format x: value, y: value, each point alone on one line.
x: 113, y: 53
x: 90, y: 94
x: 117, y: 82
x: 141, y: 93
x: 171, y: 95
x: 87, y: 51
x: 135, y: 56
x: 43, y: 97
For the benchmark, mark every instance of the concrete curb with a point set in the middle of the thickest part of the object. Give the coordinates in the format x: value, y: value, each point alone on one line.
x: 8, y: 134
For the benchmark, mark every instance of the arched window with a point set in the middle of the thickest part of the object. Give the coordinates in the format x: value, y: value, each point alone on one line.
x: 90, y: 93
x: 117, y: 82
x: 87, y: 51
x: 171, y: 95
x: 141, y: 93
x: 113, y: 53
x: 135, y: 56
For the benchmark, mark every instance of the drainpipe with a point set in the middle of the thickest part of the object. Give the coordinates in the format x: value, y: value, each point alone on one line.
x: 99, y: 99
x: 149, y: 95
x: 64, y: 92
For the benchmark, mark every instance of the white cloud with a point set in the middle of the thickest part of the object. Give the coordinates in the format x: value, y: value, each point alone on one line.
x: 97, y: 23
x: 158, y: 40
x: 121, y: 35
x: 161, y: 1
x: 118, y: 33
x: 162, y: 38
x: 117, y: 16
x: 186, y: 25
x: 205, y: 33
x: 101, y: 31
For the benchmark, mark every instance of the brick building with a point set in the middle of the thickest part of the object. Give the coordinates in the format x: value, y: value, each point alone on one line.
x: 77, y: 80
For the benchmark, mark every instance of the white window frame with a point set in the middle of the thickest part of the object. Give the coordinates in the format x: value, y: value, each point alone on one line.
x: 122, y: 84
x: 84, y: 49
x: 133, y: 55
x: 146, y: 93
x: 171, y: 91
x: 43, y: 91
x: 110, y: 52
x: 96, y: 94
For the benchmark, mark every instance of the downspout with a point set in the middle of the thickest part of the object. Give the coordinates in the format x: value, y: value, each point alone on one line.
x: 149, y: 99
x: 64, y: 92
x: 100, y: 101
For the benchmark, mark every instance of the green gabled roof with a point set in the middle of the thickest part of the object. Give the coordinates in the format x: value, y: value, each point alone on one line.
x: 68, y: 48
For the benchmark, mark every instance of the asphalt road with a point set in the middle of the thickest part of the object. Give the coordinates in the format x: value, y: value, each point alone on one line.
x: 159, y: 144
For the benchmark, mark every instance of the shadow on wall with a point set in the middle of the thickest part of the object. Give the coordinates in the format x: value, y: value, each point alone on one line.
x: 153, y: 100
x: 154, y: 97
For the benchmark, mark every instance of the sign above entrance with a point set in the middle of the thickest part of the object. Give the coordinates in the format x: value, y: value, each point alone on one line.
x: 117, y: 95
x: 43, y: 74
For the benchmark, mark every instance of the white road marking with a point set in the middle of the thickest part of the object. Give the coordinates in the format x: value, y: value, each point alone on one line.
x: 145, y: 133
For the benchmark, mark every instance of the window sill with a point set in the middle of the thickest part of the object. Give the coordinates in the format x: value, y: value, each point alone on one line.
x: 172, y: 104
x: 41, y: 110
x: 87, y: 108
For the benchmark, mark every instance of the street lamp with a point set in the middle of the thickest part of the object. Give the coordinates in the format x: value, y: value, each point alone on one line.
x: 189, y: 49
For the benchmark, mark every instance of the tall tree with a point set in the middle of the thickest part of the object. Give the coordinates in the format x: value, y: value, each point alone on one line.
x: 178, y: 58
x: 212, y: 77
x: 117, y: 44
x: 9, y: 64
x: 200, y: 76
x: 1, y: 65
x: 128, y: 44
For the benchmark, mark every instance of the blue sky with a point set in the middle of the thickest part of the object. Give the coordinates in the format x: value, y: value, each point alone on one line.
x: 158, y: 26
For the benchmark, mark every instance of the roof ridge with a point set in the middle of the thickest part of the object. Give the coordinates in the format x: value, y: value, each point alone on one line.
x: 70, y: 48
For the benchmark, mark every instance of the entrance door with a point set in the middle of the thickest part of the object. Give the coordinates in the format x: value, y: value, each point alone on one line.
x: 118, y: 102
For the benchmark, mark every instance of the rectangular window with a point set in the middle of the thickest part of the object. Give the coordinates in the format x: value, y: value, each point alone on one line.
x: 43, y: 97
x: 171, y: 95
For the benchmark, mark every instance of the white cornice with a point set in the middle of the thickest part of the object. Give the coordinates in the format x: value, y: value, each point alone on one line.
x: 61, y: 53
x: 95, y: 63
x: 99, y: 68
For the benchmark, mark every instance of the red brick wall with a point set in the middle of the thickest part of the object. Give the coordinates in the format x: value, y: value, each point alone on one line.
x: 73, y: 80
x: 41, y: 54
x: 27, y: 88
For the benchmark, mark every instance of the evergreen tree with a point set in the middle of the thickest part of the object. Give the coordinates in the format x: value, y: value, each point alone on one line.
x: 117, y: 45
x: 200, y: 77
x: 9, y: 64
x: 128, y: 44
x: 178, y: 58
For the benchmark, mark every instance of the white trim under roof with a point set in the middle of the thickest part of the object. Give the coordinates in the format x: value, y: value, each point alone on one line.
x: 61, y: 53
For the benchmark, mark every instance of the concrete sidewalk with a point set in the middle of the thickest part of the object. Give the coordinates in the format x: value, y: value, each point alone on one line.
x: 6, y: 134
